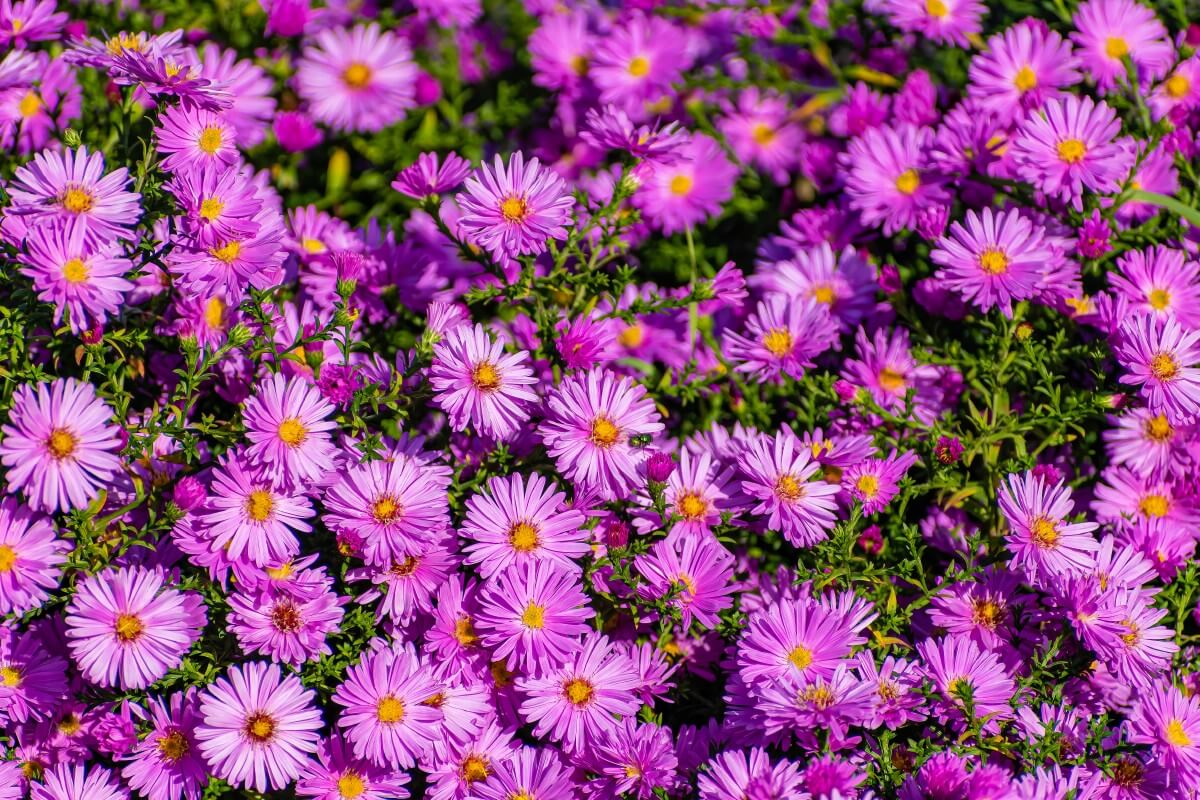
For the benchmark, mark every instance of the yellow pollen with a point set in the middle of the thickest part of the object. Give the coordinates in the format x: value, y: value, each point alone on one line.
x: 892, y: 381
x: 800, y: 657
x: 986, y: 613
x: 1158, y: 429
x: 820, y: 696
x: 936, y: 9
x: 910, y: 180
x: 389, y: 710
x: 260, y: 727
x: 639, y: 67
x: 762, y: 133
x: 579, y: 63
x: 284, y: 570
x: 1154, y: 505
x: 61, y: 443
x: 692, y: 506
x: 313, y: 246
x: 687, y: 582
x: 993, y: 261
x: 70, y: 724
x: 1044, y: 533
x: 523, y: 537
x: 681, y: 185
x: 405, y: 568
x: 214, y: 313
x: 128, y: 628
x: 357, y: 75
x: 521, y: 796
x: 8, y: 558
x: 868, y: 485
x: 485, y: 378
x: 1025, y: 79
x: 578, y: 691
x: 286, y: 617
x: 226, y: 253
x: 211, y: 139
x: 350, y: 786
x: 17, y: 24
x: 514, y: 209
x: 475, y: 769
x: 173, y: 746
x: 10, y: 677
x: 30, y: 105
x: 125, y: 41
x: 788, y: 488
x: 1163, y: 367
x: 778, y: 342
x: 824, y: 294
x: 534, y: 616
x: 292, y: 432
x: 1132, y: 635
x: 211, y: 208
x: 1071, y: 151
x: 1116, y: 47
x: 632, y: 336
x: 75, y: 271
x: 500, y: 674
x: 1158, y: 299
x: 77, y: 201
x: 1176, y: 735
x: 259, y: 505
x: 604, y: 432
x: 1177, y: 86
x: 386, y: 509
x: 464, y: 632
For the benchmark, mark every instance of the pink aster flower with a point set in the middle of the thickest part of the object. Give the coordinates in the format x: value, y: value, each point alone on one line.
x: 1108, y: 30
x: 1168, y: 721
x: 59, y: 445
x: 783, y: 337
x: 634, y: 760
x: 288, y: 428
x: 1180, y: 91
x: 248, y: 518
x: 697, y: 573
x: 31, y: 558
x: 993, y: 259
x: 963, y: 673
x: 357, y: 79
x: 780, y: 474
x: 220, y: 203
x: 31, y: 116
x: 477, y: 383
x: 285, y: 626
x: 166, y: 765
x: 395, y: 509
x: 1163, y: 360
x: 429, y: 175
x: 1042, y: 542
x: 1068, y: 146
x: 760, y: 131
x: 77, y: 782
x: 195, y: 137
x: 532, y: 615
x: 26, y: 21
x: 591, y: 420
x: 33, y: 681
x: 696, y: 494
x: 1147, y: 442
x: 690, y: 189
x: 338, y: 775
x: 733, y: 774
x: 844, y: 282
x: 535, y: 772
x: 513, y: 210
x: 248, y: 254
x: 875, y: 481
x: 1159, y: 281
x: 406, y: 588
x: 885, y: 367
x: 888, y: 176
x: 559, y: 51
x: 610, y: 128
x: 65, y: 185
x: 249, y: 86
x: 126, y: 629
x: 577, y: 702
x: 948, y: 21
x: 167, y: 76
x: 259, y: 726
x: 521, y: 520
x: 637, y: 62
x: 385, y: 716
x: 1020, y: 69
x: 79, y: 277
x: 793, y: 638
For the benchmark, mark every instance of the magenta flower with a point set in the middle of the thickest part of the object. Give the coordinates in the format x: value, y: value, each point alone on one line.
x: 1020, y: 69
x: 783, y: 336
x: 30, y: 116
x: 1168, y: 721
x: 31, y: 558
x: 338, y: 775
x: 760, y: 131
x: 778, y: 476
x: 1163, y: 360
x: 532, y: 615
x: 637, y: 62
x: 126, y: 629
x: 513, y: 210
x: 259, y: 726
x: 960, y: 670
x: 1042, y: 542
x: 194, y: 138
x: 844, y: 282
x: 611, y: 128
x: 407, y: 587
x: 477, y: 383
x: 1159, y: 281
x: 1179, y: 92
x: 249, y: 87
x: 696, y: 494
x: 426, y: 176
x: 696, y: 570
x: 166, y: 765
x: 590, y: 421
x: 58, y: 447
x: 288, y: 428
x: 731, y: 774
x: 888, y: 176
x: 219, y: 203
x: 287, y: 627
x: 33, y: 681
x: 26, y: 21
x: 690, y: 189
x: 76, y: 782
x: 1109, y: 30
x: 357, y: 79
x: 793, y: 638
x: 296, y: 132
x: 875, y: 481
x: 536, y: 772
x: 948, y: 21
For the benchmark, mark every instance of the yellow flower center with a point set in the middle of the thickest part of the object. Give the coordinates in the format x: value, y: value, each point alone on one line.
x: 128, y: 628
x: 386, y: 509
x: 823, y: 294
x: 259, y: 505
x: 284, y: 570
x: 604, y: 432
x: 910, y: 180
x: 1154, y: 505
x: 514, y: 209
x: 578, y: 691
x: 226, y: 253
x: 61, y: 443
x: 350, y: 786
x: 891, y: 380
x: 211, y: 139
x: 692, y: 506
x: 10, y: 677
x: 211, y: 208
x: 474, y: 769
x: 1044, y: 533
x: 214, y: 313
x: 579, y: 63
x: 464, y: 632
x: 1176, y: 735
x: 778, y: 342
x: 1025, y: 79
x: 286, y: 617
x: 405, y: 568
x: 292, y: 432
x: 523, y: 537
x: 788, y: 488
x: 1159, y: 299
x: 260, y: 727
x: 485, y: 377
x: 8, y: 558
x: 357, y: 75
x: 1071, y: 151
x: 173, y: 746
x: 313, y: 246
x: 1163, y: 367
x: 1177, y: 86
x: 77, y: 201
x: 639, y: 67
x: 75, y: 271
x: 681, y: 185
x: 534, y: 616
x: 800, y: 657
x: 868, y: 485
x: 993, y: 261
x: 986, y: 613
x: 936, y: 9
x: 70, y: 724
x: 1158, y: 429
x: 632, y: 336
x: 30, y: 104
x: 389, y: 710
x: 762, y: 133
x: 686, y: 582
x: 1116, y: 47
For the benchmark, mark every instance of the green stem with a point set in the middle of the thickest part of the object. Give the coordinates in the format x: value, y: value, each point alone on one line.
x: 1192, y: 215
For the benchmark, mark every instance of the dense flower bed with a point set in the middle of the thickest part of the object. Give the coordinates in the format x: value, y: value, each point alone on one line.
x: 575, y: 399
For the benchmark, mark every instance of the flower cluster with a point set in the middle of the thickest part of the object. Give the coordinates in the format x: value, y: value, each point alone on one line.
x: 557, y: 399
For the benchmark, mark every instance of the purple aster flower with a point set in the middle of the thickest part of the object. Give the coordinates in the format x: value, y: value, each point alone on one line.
x: 886, y: 368
x: 947, y: 21
x: 1094, y: 234
x: 513, y: 210
x: 259, y: 726
x: 1148, y: 442
x: 761, y: 131
x: 784, y: 336
x: 286, y: 627
x: 948, y: 449
x: 1043, y: 544
x: 1020, y: 69
x: 1168, y: 721
x: 476, y: 382
x: 194, y: 138
x: 168, y: 75
x: 337, y: 775
x: 1159, y: 281
x: 59, y: 445
x: 845, y: 282
x: 584, y: 342
x: 963, y: 673
x: 33, y: 681
x: 559, y: 51
x: 249, y: 86
x: 296, y: 132
x: 288, y: 428
x: 26, y: 21
x: 76, y: 782
x: 536, y: 772
x: 1109, y: 30
x: 166, y: 765
x: 338, y: 383
x: 896, y: 682
x: 426, y: 176
x: 249, y: 254
x: 735, y: 774
x: 531, y: 615
x: 888, y: 176
x: 875, y: 481
x: 31, y: 116
x: 590, y: 421
x: 1180, y: 92
x: 126, y: 629
x: 695, y: 571
x: 1161, y: 358
x: 690, y: 189
x: 31, y: 558
x: 778, y: 474
x: 794, y: 708
x: 637, y: 62
x: 793, y: 638
x: 632, y: 761
x: 220, y: 203
x: 611, y: 128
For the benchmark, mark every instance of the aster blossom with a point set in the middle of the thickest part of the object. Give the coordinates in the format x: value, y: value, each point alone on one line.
x: 512, y: 209
x: 1043, y: 542
x: 477, y: 383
